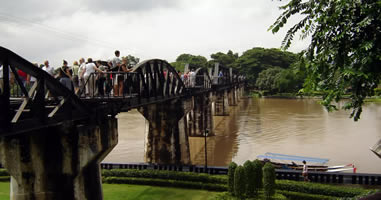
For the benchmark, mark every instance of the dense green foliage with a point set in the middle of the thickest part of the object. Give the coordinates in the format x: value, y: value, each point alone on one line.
x: 193, y: 61
x: 255, y: 60
x: 240, y: 182
x: 228, y: 60
x: 251, y: 190
x: 165, y: 183
x: 269, y: 180
x: 258, y: 173
x: 345, y: 49
x: 260, y: 196
x: 267, y: 79
x: 320, y: 189
x: 231, y: 170
x: 304, y: 196
x: 158, y: 174
x: 132, y: 60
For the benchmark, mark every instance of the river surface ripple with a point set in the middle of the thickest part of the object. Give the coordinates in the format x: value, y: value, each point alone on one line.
x: 256, y: 126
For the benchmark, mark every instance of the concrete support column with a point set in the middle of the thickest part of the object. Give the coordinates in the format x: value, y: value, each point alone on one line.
x: 60, y: 162
x: 167, y: 140
x: 221, y: 105
x: 233, y: 100
x: 200, y: 117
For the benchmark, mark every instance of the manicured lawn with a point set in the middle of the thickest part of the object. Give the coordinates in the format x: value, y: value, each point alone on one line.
x: 141, y: 192
x: 4, y: 190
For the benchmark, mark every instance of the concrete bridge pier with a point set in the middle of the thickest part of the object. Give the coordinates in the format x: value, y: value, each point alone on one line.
x: 221, y: 104
x: 60, y: 162
x: 233, y: 97
x: 166, y: 136
x: 200, y: 118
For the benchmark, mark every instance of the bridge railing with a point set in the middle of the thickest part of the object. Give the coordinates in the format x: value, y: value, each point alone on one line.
x: 110, y: 84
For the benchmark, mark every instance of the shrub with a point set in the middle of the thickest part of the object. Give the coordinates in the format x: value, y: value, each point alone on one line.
x: 5, y: 178
x: 231, y: 169
x: 317, y: 188
x: 165, y: 183
x: 4, y: 172
x: 228, y: 196
x: 304, y: 196
x: 239, y: 182
x: 269, y: 180
x: 174, y: 175
x: 251, y: 190
x: 258, y: 173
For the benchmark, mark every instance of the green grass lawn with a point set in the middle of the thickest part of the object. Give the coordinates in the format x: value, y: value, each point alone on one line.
x: 141, y: 192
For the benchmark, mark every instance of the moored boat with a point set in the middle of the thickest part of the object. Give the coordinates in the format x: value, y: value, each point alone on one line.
x: 284, y: 161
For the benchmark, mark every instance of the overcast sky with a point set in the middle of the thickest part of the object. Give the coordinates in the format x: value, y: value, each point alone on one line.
x: 69, y: 29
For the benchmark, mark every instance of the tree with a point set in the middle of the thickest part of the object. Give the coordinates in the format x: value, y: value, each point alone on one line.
x: 240, y: 182
x: 269, y: 180
x: 267, y: 79
x: 255, y: 60
x: 132, y: 60
x: 231, y: 170
x: 345, y: 48
x: 192, y: 60
x: 226, y: 60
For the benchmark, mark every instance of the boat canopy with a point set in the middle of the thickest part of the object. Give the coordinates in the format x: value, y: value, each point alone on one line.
x: 278, y: 156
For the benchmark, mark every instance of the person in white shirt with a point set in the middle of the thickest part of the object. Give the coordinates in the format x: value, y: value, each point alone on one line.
x: 90, y: 68
x: 115, y: 64
x: 48, y: 68
x: 305, y: 171
x: 81, y: 81
x: 192, y: 78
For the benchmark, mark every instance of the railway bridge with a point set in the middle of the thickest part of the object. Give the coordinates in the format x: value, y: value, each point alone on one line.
x: 52, y: 140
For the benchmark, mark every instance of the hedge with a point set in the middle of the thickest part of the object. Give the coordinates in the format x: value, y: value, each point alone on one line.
x: 5, y: 178
x: 171, y: 175
x: 317, y: 188
x: 166, y: 183
x: 269, y: 180
x: 304, y: 196
x: 3, y: 172
x: 260, y: 196
x: 231, y: 169
x: 240, y: 180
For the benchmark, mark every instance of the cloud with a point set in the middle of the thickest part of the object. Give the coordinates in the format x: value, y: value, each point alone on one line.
x: 129, y: 5
x: 68, y: 29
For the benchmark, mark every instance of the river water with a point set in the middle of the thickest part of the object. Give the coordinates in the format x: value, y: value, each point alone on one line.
x: 256, y: 126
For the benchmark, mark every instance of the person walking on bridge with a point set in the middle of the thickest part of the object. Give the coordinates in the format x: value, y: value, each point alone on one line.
x: 75, y: 69
x: 64, y: 76
x: 48, y: 68
x: 88, y: 74
x: 115, y: 64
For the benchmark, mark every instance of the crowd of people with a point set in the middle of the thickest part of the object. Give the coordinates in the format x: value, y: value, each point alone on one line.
x: 91, y: 78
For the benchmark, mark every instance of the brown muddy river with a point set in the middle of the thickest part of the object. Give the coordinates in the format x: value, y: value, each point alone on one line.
x: 256, y: 126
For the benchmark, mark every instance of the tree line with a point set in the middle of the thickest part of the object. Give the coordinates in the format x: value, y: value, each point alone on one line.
x: 271, y: 69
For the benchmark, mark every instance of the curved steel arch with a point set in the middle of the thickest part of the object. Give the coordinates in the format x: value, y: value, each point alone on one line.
x: 34, y: 99
x: 157, y: 78
x: 203, y: 79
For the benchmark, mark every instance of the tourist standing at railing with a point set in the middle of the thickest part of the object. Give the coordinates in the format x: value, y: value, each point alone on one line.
x: 115, y: 64
x: 101, y: 79
x: 192, y: 78
x: 81, y: 80
x: 48, y: 68
x: 121, y: 77
x: 64, y: 76
x: 75, y: 79
x: 31, y: 79
x: 88, y: 76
